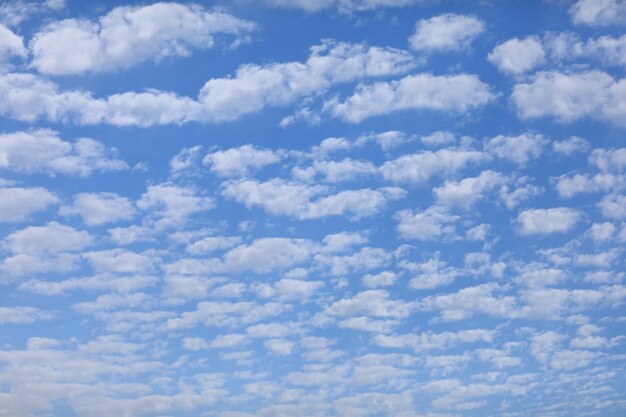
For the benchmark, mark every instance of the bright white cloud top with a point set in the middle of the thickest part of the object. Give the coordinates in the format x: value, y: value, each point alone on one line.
x: 338, y: 208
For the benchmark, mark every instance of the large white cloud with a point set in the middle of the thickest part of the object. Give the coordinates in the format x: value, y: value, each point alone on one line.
x: 446, y: 93
x: 27, y: 97
x: 599, y: 12
x: 11, y: 45
x: 43, y: 151
x: 18, y: 204
x: 548, y: 221
x: 572, y: 96
x: 127, y: 36
x: 447, y: 32
x: 517, y: 56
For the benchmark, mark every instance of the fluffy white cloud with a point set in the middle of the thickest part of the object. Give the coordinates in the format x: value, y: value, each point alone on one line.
x: 254, y: 87
x: 420, y: 167
x: 27, y: 97
x: 279, y: 197
x: 43, y: 151
x: 17, y: 204
x: 21, y: 315
x: 431, y: 224
x: 447, y: 93
x: 174, y: 204
x: 211, y: 244
x: 343, y: 6
x: 99, y: 208
x: 572, y: 96
x: 568, y: 187
x: 613, y: 206
x: 609, y: 160
x: 239, y: 162
x: 548, y: 221
x: 335, y: 171
x: 51, y: 238
x: 11, y: 45
x: 517, y: 56
x: 519, y: 149
x: 467, y: 192
x: 268, y: 254
x: 447, y: 32
x: 127, y: 36
x: 599, y: 12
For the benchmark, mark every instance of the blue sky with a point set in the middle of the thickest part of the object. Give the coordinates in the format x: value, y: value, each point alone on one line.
x: 357, y: 208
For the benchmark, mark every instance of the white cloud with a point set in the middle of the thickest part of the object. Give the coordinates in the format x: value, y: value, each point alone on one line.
x: 599, y: 12
x: 279, y: 197
x: 18, y: 204
x: 51, y: 238
x: 425, y: 341
x: 609, y: 160
x: 268, y: 254
x: 343, y: 6
x: 239, y: 162
x: 335, y: 171
x: 446, y: 32
x: 174, y: 204
x: 447, y: 93
x: 254, y: 87
x: 382, y: 279
x: 613, y: 206
x: 431, y: 224
x: 27, y: 97
x: 517, y: 56
x: 438, y: 138
x: 120, y: 261
x: 467, y: 192
x: 100, y: 208
x: 194, y: 343
x: 127, y: 36
x: 280, y: 347
x: 375, y: 303
x: 519, y: 149
x: 420, y: 167
x: 569, y: 146
x: 568, y: 187
x: 548, y: 221
x: 572, y: 96
x: 211, y: 244
x: 43, y: 151
x: 22, y: 315
x: 11, y: 45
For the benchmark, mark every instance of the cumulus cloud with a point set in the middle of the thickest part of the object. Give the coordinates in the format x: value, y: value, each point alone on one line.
x: 599, y: 12
x: 517, y: 56
x: 11, y: 45
x: 519, y: 149
x: 18, y: 204
x: 431, y: 224
x: 127, y: 36
x: 43, y: 151
x: 99, y: 208
x: 302, y: 201
x: 420, y: 167
x: 447, y: 32
x: 51, y: 238
x: 27, y: 97
x: 571, y: 96
x: 548, y: 221
x: 446, y: 93
x: 239, y: 162
x: 343, y: 6
x: 467, y: 192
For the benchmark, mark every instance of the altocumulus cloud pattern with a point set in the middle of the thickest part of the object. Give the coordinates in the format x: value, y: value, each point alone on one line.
x: 312, y: 208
